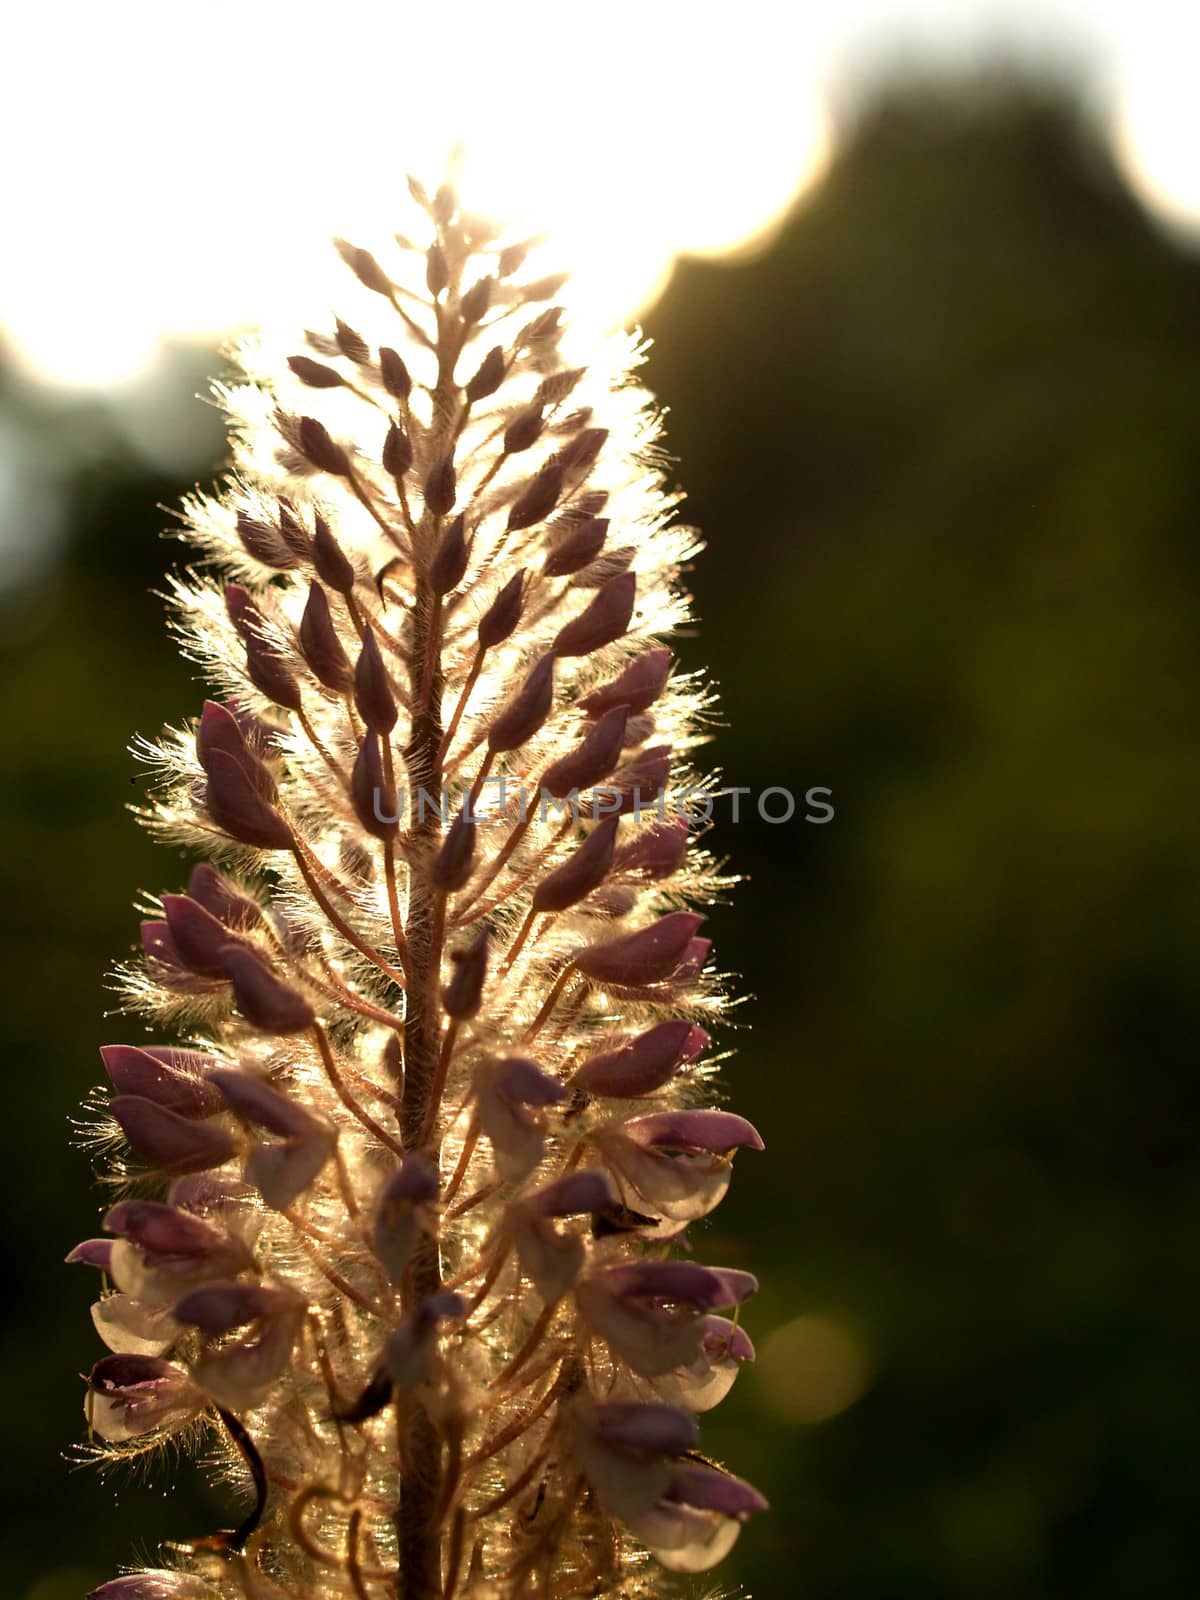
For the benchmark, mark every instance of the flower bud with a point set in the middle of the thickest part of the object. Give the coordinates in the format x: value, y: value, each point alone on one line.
x: 373, y: 688
x: 604, y: 619
x: 637, y: 687
x: 397, y: 455
x: 171, y: 1078
x: 265, y: 543
x: 453, y: 864
x: 162, y: 1585
x: 527, y: 710
x: 591, y: 760
x: 440, y: 487
x: 406, y: 1354
x: 314, y: 374
x: 449, y: 564
x: 167, y: 1140
x: 320, y: 645
x: 374, y: 798
x: 538, y: 499
x: 262, y: 998
x: 524, y: 430
x: 502, y: 616
x: 640, y: 1065
x: 647, y: 956
x: 580, y: 873
x: 655, y: 853
x: 394, y: 373
x: 574, y: 548
x: 489, y: 376
x: 329, y: 559
x: 234, y: 801
x: 210, y: 890
x: 461, y: 996
x: 318, y: 448
x: 197, y: 935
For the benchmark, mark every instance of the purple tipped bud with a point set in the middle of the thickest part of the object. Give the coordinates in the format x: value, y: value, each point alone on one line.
x: 320, y: 645
x: 314, y: 374
x: 527, y: 710
x: 171, y: 1078
x: 642, y: 783
x: 581, y: 873
x: 374, y: 798
x: 647, y: 956
x: 221, y: 733
x: 317, y: 447
x: 209, y: 889
x: 197, y: 935
x: 166, y: 965
x: 265, y: 543
x: 262, y: 998
x: 453, y: 863
x: 397, y: 454
x: 637, y: 687
x: 606, y: 618
x: 489, y: 376
x: 538, y: 499
x: 394, y: 373
x: 129, y: 1396
x: 502, y: 616
x: 695, y: 1132
x: 270, y: 673
x: 643, y: 1064
x: 168, y: 1140
x: 441, y: 487
x: 524, y: 430
x: 331, y: 563
x: 449, y: 564
x: 233, y: 797
x: 365, y: 268
x: 580, y: 455
x: 373, y: 688
x: 474, y: 304
x: 437, y: 274
x: 655, y: 853
x: 462, y: 995
x: 256, y: 1101
x: 573, y: 549
x: 591, y: 760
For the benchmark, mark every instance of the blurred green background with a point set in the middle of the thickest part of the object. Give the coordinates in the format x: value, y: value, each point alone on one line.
x: 943, y: 440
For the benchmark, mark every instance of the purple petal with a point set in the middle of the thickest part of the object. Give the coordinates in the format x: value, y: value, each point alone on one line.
x: 638, y: 687
x: 169, y: 1141
x: 592, y: 759
x: 643, y: 1064
x: 573, y: 1195
x: 581, y: 872
x: 605, y: 619
x: 695, y: 1132
x: 167, y: 1077
x: 709, y: 1489
x: 263, y: 999
x: 645, y: 1429
x: 522, y: 1081
x: 254, y: 1100
x: 646, y: 956
x: 93, y: 1253
x: 163, y: 1230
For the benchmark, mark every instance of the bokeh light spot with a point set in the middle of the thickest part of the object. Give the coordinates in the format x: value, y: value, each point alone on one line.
x: 813, y: 1368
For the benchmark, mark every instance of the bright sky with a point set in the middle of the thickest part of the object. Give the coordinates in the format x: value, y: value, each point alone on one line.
x: 173, y: 169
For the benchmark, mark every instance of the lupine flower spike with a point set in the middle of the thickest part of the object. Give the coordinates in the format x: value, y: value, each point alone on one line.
x: 398, y: 1202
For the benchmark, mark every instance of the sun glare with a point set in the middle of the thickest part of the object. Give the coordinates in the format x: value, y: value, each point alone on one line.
x: 179, y: 179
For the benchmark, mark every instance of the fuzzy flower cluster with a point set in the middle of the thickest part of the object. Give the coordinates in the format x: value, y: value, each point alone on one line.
x: 398, y: 1224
